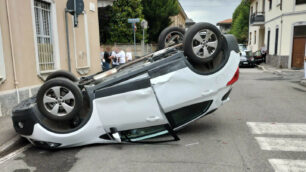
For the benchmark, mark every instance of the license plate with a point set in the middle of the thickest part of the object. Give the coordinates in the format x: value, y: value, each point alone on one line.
x: 245, y: 63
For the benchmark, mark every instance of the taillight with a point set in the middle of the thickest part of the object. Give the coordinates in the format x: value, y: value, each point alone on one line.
x: 234, y: 79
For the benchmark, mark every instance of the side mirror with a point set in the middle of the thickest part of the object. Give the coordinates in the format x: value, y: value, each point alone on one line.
x: 115, y: 134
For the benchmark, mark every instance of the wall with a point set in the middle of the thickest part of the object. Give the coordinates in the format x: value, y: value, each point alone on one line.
x: 284, y: 20
x: 140, y: 51
x: 23, y: 41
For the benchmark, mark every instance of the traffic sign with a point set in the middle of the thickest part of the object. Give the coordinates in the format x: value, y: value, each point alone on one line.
x: 135, y: 20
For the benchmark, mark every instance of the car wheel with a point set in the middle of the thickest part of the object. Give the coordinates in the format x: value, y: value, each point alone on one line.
x: 202, y: 42
x: 62, y: 74
x: 170, y: 36
x: 59, y: 99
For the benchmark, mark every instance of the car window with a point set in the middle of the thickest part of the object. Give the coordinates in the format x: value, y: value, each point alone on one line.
x: 143, y: 133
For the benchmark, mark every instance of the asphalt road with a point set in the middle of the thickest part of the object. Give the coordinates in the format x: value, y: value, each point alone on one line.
x: 262, y: 128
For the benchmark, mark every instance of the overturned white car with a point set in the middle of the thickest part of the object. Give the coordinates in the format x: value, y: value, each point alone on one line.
x: 155, y: 95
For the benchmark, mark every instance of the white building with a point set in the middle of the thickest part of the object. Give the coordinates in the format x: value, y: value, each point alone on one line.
x: 104, y: 3
x: 280, y: 26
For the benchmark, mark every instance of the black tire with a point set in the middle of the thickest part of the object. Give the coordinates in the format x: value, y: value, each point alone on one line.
x: 165, y: 33
x: 62, y: 74
x: 189, y: 43
x: 65, y: 86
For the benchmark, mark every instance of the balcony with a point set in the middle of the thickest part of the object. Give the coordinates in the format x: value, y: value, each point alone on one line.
x: 257, y: 19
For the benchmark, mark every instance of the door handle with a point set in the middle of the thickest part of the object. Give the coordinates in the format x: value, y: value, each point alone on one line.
x: 153, y: 118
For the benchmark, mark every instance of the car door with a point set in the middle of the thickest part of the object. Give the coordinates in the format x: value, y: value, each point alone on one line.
x: 131, y: 108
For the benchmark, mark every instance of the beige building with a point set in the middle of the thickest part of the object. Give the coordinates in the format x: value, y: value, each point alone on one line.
x: 225, y: 25
x: 33, y: 44
x: 280, y: 26
x: 180, y: 19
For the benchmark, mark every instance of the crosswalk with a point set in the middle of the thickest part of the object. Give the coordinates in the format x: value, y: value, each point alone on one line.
x: 281, y: 137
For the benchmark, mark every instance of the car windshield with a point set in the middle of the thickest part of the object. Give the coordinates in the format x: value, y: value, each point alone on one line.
x: 242, y: 47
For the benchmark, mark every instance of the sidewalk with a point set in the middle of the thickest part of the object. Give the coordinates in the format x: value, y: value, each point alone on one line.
x: 294, y: 75
x: 7, y: 131
x: 8, y: 136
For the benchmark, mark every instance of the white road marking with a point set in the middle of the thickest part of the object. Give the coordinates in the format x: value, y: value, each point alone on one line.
x: 282, y: 144
x: 14, y: 154
x: 277, y: 128
x: 192, y: 144
x: 284, y: 165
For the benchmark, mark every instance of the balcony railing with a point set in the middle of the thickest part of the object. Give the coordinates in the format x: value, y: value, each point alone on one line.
x: 257, y: 18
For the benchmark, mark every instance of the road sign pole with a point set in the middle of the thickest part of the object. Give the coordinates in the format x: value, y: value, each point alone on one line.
x: 134, y: 29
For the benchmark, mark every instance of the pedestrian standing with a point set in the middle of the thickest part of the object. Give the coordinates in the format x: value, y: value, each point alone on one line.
x: 114, y: 57
x: 129, y: 56
x: 102, y: 57
x: 107, y: 59
x: 264, y: 53
x: 121, y: 57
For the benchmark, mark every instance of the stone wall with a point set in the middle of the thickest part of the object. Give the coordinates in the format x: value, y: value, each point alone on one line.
x: 9, y: 99
x: 140, y: 49
x: 277, y: 61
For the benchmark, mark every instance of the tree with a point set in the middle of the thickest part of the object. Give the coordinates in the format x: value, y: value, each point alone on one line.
x: 121, y: 30
x: 158, y: 13
x: 105, y: 16
x: 240, y: 26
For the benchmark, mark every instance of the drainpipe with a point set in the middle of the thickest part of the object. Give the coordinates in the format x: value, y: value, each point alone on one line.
x: 280, y: 45
x: 12, y: 51
x: 67, y: 38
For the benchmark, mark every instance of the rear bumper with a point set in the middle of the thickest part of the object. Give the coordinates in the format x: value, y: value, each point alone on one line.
x: 247, y: 63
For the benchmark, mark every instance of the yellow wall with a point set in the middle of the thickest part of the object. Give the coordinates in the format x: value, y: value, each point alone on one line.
x: 24, y: 46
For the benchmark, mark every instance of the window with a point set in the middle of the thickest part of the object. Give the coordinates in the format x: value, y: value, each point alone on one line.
x: 255, y: 34
x: 44, y: 36
x: 300, y: 31
x: 256, y: 8
x: 270, y: 4
x: 268, y: 41
x: 298, y: 2
x: 250, y: 42
x: 276, y: 41
x: 2, y: 65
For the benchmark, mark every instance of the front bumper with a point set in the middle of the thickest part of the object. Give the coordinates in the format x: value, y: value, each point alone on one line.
x: 24, y: 117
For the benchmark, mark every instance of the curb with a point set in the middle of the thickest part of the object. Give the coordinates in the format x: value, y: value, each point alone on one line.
x: 303, y: 82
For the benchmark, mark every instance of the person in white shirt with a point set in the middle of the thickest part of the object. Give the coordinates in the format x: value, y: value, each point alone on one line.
x: 129, y: 56
x: 121, y: 57
x: 114, y: 58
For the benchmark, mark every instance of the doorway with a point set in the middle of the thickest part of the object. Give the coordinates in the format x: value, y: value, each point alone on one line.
x: 299, y: 47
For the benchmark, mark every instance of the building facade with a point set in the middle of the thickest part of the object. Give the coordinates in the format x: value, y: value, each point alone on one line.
x: 33, y: 44
x: 280, y: 27
x: 180, y: 19
x: 225, y: 25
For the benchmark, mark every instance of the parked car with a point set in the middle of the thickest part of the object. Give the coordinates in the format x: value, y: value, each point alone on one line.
x: 258, y: 57
x: 154, y: 95
x: 246, y: 57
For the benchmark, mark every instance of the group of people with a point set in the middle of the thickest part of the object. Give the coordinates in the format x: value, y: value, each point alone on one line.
x: 111, y: 58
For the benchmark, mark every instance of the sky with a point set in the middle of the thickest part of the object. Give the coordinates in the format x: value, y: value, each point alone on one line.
x: 212, y: 11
